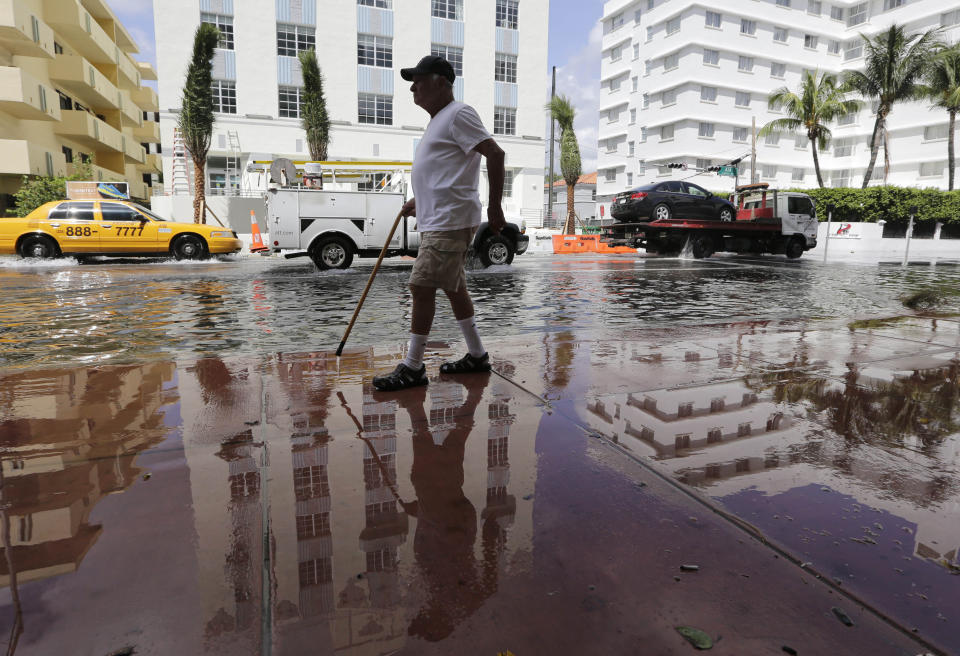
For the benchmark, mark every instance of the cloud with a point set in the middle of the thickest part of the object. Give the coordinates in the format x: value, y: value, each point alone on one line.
x: 137, y: 18
x: 579, y: 80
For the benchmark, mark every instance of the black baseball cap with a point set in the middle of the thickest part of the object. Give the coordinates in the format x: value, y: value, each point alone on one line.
x: 427, y: 65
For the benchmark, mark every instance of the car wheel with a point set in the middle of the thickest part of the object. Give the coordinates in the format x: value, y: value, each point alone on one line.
x: 39, y: 246
x: 726, y: 214
x: 496, y: 250
x: 702, y: 246
x: 794, y: 248
x: 331, y: 253
x: 189, y: 247
x: 661, y: 212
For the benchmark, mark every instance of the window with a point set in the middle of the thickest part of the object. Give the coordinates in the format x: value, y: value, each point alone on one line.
x: 289, y: 99
x: 375, y: 109
x: 646, y: 100
x: 666, y: 132
x: 857, y: 14
x: 65, y: 102
x: 892, y: 4
x: 67, y: 154
x: 853, y: 49
x: 636, y: 51
x: 797, y: 175
x: 840, y: 178
x: 505, y: 68
x: 633, y: 116
x: 629, y: 179
x: 833, y: 47
x: 451, y: 54
x: 836, y: 13
x: 742, y: 99
x: 80, y: 211
x: 847, y: 119
x: 636, y: 16
x: 615, y: 84
x: 772, y: 139
x: 950, y: 18
x: 711, y: 57
x: 374, y: 50
x: 507, y: 13
x: 936, y: 132
x: 616, y: 53
x: 777, y: 69
x: 931, y: 169
x: 745, y: 64
x: 635, y: 82
x: 291, y: 39
x: 650, y: 4
x: 450, y: 9
x: 504, y: 120
x: 810, y: 41
x: 224, y: 96
x: 740, y: 134
x: 780, y: 34
x: 843, y: 148
x: 616, y: 22
x: 57, y: 48
x: 708, y: 94
x: 769, y: 171
x: 673, y: 25
x: 643, y: 134
x: 670, y: 62
x: 701, y: 164
x: 379, y: 4
x: 748, y: 26
x: 610, y: 175
x: 649, y: 33
x: 801, y: 142
x: 814, y: 7
x: 783, y: 3
x: 631, y: 149
x: 713, y: 19
x: 118, y: 212
x: 508, y: 177
x: 668, y: 97
x: 222, y: 23
x: 706, y: 130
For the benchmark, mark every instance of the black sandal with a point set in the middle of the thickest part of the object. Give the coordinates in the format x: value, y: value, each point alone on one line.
x: 401, y: 378
x: 467, y: 365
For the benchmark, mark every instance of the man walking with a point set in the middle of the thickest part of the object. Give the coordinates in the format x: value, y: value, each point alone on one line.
x: 446, y: 171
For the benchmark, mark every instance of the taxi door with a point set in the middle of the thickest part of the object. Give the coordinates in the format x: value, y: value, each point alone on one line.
x: 125, y: 230
x: 75, y: 227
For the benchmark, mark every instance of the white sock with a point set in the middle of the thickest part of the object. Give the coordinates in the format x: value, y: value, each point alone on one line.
x: 414, y: 359
x: 468, y: 327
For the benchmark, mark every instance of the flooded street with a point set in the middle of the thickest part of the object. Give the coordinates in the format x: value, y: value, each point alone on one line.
x: 754, y: 447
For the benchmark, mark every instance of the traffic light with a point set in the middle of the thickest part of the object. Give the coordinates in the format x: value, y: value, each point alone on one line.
x: 714, y: 169
x: 675, y: 165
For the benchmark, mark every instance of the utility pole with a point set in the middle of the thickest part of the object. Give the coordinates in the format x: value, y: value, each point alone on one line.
x: 753, y: 154
x: 553, y: 93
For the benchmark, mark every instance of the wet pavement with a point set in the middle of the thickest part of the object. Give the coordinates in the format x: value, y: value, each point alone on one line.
x: 180, y: 495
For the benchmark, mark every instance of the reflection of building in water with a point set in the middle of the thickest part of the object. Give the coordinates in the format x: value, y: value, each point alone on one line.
x: 501, y: 506
x: 75, y: 441
x: 671, y: 420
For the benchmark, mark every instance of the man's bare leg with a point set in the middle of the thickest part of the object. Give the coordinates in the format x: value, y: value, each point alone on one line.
x: 477, y: 359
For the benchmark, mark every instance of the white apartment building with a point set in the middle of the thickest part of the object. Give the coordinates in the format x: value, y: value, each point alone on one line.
x: 497, y: 48
x: 682, y: 81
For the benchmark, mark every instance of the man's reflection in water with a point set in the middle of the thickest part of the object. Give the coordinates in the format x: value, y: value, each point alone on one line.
x: 456, y: 585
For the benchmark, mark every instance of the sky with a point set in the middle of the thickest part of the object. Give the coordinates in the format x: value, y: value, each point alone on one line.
x: 574, y: 48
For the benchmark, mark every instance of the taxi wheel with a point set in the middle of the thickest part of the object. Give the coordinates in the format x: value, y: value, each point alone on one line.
x: 189, y: 247
x: 39, y: 246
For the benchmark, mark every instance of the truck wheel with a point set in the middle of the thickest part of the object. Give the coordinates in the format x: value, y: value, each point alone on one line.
x: 496, y: 250
x: 39, y: 246
x: 702, y: 246
x: 189, y: 247
x: 794, y: 248
x: 661, y: 212
x: 726, y: 214
x: 331, y: 253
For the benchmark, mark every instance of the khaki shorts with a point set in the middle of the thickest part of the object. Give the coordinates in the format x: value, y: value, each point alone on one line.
x: 442, y: 256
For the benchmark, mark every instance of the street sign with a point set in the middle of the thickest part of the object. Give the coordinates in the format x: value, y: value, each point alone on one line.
x: 728, y: 170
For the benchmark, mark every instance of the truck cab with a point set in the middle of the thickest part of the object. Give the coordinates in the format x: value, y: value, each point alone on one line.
x: 795, y: 213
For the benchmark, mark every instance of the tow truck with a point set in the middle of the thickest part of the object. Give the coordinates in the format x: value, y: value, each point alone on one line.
x: 767, y: 221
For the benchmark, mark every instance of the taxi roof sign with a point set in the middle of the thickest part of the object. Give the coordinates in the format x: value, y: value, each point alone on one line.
x: 93, y: 190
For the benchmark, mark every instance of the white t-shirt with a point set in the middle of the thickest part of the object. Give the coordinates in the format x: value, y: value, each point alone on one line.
x: 446, y: 170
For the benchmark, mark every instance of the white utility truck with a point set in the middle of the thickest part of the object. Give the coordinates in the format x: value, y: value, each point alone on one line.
x: 331, y: 226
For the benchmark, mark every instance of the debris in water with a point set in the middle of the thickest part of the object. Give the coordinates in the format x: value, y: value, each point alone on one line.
x: 147, y: 476
x: 689, y: 568
x: 843, y: 617
x: 527, y: 497
x: 695, y: 637
x: 789, y: 650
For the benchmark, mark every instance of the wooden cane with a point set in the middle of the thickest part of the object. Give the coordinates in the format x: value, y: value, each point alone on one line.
x: 366, y: 289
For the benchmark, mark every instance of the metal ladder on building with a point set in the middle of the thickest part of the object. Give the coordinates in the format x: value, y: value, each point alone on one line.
x: 182, y: 166
x: 233, y: 163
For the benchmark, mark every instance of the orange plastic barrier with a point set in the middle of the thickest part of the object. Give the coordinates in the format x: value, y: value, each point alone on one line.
x: 572, y: 244
x: 257, y: 245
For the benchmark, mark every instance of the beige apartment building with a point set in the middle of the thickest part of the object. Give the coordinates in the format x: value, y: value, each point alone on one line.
x: 70, y: 92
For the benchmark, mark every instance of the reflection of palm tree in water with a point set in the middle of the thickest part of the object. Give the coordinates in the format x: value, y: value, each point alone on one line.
x: 446, y: 519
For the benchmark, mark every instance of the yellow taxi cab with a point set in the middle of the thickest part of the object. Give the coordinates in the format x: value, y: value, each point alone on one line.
x: 109, y: 227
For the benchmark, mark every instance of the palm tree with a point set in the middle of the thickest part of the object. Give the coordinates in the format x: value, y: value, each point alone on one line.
x: 196, y: 115
x: 819, y: 100
x: 943, y: 88
x: 562, y: 111
x: 894, y: 66
x: 313, y: 108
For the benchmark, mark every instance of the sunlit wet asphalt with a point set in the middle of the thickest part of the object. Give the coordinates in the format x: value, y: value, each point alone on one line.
x: 433, y: 521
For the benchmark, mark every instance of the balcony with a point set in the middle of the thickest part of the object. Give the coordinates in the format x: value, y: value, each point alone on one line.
x: 132, y: 150
x: 151, y: 163
x: 129, y: 73
x: 146, y: 99
x: 88, y: 130
x: 21, y: 157
x: 78, y: 27
x: 147, y: 72
x: 88, y: 85
x: 130, y: 114
x: 25, y: 97
x: 22, y: 33
x: 149, y: 132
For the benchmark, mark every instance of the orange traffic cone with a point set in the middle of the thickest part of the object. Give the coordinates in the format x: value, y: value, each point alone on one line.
x: 257, y: 245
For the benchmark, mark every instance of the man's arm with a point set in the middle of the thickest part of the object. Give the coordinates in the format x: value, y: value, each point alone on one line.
x: 494, y: 154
